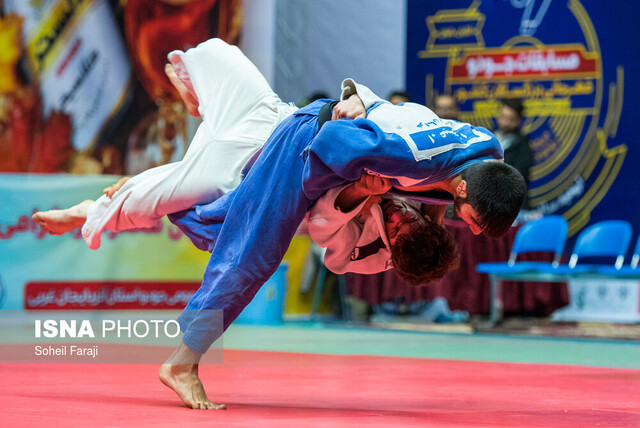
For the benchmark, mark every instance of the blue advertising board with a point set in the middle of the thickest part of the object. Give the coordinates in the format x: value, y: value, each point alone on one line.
x: 572, y: 63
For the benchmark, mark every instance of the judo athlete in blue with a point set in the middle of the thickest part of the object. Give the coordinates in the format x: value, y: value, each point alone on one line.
x: 248, y: 230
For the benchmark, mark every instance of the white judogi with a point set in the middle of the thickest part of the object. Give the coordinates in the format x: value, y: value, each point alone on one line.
x: 355, y: 242
x: 239, y: 111
x: 345, y: 234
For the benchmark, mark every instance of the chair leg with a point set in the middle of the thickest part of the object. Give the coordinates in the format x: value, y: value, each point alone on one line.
x: 312, y: 265
x: 317, y: 293
x: 497, y: 304
x: 342, y: 287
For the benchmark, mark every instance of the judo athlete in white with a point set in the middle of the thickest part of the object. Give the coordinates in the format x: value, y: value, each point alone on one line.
x: 239, y: 111
x: 356, y: 239
x: 364, y: 233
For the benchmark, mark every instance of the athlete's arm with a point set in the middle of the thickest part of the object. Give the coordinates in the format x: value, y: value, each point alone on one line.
x: 357, y: 192
x: 336, y: 230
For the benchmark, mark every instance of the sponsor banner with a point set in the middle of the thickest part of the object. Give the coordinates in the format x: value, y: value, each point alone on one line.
x: 568, y: 63
x: 149, y: 268
x: 547, y: 63
x: 109, y: 295
x: 75, y: 49
x: 152, y: 269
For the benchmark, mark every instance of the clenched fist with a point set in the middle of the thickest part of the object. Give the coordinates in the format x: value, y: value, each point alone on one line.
x: 351, y: 108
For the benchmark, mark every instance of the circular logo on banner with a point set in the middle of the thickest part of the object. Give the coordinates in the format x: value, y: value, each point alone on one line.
x: 557, y: 75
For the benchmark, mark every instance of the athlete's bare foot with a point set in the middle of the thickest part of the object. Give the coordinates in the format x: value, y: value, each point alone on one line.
x: 184, y: 380
x: 109, y: 191
x: 58, y: 222
x: 180, y: 373
x: 189, y: 98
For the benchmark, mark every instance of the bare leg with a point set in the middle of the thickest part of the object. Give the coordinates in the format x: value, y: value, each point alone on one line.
x: 180, y: 373
x: 59, y: 222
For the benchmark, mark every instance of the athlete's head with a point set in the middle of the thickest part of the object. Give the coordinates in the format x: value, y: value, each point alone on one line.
x: 421, y: 250
x: 489, y: 197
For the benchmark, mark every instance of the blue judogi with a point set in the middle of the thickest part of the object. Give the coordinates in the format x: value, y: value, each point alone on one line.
x: 407, y: 143
x: 249, y: 229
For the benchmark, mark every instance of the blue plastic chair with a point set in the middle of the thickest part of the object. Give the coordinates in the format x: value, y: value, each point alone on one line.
x: 608, y: 238
x: 629, y: 270
x: 547, y: 234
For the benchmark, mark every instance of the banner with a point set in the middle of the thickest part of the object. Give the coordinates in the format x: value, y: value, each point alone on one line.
x: 75, y: 49
x: 155, y: 268
x: 572, y: 65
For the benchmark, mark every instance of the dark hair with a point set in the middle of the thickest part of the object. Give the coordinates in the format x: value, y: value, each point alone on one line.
x: 426, y: 254
x: 514, y: 104
x: 402, y: 94
x: 318, y: 96
x: 496, y: 191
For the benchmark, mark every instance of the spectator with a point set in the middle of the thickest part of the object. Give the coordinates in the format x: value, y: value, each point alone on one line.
x: 397, y: 97
x: 517, y: 151
x: 446, y: 107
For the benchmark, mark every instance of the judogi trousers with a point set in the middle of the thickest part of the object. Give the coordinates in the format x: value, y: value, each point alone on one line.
x: 239, y: 111
x: 248, y: 230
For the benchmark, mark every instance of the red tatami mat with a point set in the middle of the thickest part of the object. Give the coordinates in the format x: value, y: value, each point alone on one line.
x: 302, y: 390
